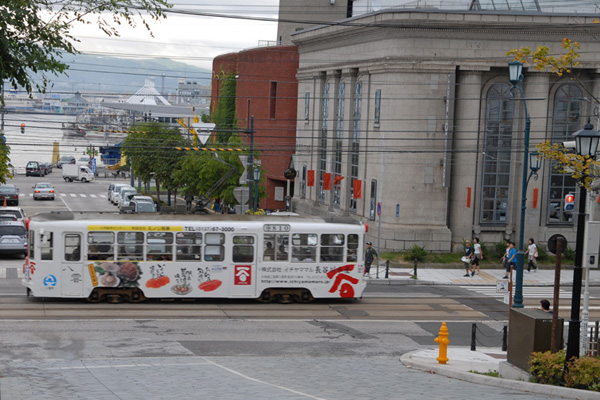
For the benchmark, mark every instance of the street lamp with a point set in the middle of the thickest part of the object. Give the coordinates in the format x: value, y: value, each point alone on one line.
x: 256, y: 181
x: 586, y: 145
x: 515, y: 76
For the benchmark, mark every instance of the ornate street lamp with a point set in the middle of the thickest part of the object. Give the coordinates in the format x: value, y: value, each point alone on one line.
x: 515, y: 76
x: 586, y: 145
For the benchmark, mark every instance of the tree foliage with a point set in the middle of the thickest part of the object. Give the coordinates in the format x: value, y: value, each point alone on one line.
x: 36, y: 33
x: 5, y: 165
x: 153, y: 153
x: 225, y: 114
x: 542, y: 58
x: 584, y: 169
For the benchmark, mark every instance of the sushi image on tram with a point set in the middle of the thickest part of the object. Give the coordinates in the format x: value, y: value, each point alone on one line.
x: 130, y: 257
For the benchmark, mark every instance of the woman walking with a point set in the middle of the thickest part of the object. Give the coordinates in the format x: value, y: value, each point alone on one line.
x: 532, y: 255
x: 477, y: 256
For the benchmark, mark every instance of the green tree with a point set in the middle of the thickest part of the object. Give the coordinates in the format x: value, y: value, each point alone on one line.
x: 5, y: 165
x: 153, y: 153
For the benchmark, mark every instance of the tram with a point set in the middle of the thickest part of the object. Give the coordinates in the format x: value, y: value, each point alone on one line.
x: 133, y: 257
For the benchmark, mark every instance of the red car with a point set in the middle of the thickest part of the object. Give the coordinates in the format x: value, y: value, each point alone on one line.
x: 10, y: 194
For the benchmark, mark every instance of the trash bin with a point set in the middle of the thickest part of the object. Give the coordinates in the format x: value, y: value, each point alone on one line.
x: 530, y: 330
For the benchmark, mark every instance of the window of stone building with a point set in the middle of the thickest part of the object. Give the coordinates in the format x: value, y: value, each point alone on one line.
x: 355, y: 142
x: 323, y: 142
x: 499, y: 115
x: 338, y: 144
x: 273, y: 100
x: 373, y: 200
x: 306, y: 106
x: 566, y: 119
x: 377, y: 108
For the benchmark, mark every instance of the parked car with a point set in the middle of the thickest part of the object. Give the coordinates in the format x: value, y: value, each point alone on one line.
x: 115, y: 189
x: 9, y: 194
x: 47, y: 167
x: 34, y: 168
x: 142, y: 206
x: 43, y: 190
x: 7, y: 217
x: 84, y: 160
x: 126, y: 196
x: 13, y: 238
x: 65, y: 160
x: 117, y: 195
x: 16, y: 211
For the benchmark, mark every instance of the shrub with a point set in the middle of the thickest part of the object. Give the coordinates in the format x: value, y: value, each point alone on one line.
x: 415, y: 253
x: 569, y: 254
x: 542, y: 254
x: 499, y: 250
x: 547, y: 367
x: 584, y: 373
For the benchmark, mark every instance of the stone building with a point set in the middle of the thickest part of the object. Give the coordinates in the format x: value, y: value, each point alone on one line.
x: 413, y: 109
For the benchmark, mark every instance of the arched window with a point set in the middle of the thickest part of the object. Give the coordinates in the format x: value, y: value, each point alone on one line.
x: 566, y: 119
x: 323, y: 140
x: 338, y: 143
x: 355, y: 142
x: 499, y: 114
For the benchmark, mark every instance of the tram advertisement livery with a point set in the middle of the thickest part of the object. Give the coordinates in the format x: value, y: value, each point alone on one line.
x: 130, y: 258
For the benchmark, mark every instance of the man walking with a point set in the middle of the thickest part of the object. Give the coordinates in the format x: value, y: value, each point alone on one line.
x: 369, y: 257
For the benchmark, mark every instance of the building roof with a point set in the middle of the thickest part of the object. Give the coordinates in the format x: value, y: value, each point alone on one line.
x: 148, y: 95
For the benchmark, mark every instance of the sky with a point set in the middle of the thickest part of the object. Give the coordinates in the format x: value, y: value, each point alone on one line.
x: 192, y: 39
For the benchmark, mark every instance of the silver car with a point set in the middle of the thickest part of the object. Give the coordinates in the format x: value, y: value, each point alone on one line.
x: 13, y: 238
x: 43, y: 190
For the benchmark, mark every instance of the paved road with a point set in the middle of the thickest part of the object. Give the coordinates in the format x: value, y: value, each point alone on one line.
x: 226, y: 359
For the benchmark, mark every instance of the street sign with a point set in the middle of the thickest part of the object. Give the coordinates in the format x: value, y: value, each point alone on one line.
x: 553, y: 241
x: 241, y: 194
x: 378, y: 209
x: 93, y: 165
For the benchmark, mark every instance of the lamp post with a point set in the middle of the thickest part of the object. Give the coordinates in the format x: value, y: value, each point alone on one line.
x: 515, y: 73
x: 256, y: 181
x: 586, y: 145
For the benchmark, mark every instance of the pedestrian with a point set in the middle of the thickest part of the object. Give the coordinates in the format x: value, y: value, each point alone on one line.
x: 188, y: 201
x: 512, y: 259
x: 370, y: 255
x: 467, y: 258
x: 532, y: 255
x: 477, y: 256
x: 545, y: 306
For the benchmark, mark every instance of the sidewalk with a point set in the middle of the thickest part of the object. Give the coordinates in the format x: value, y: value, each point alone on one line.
x: 462, y: 360
x: 487, y: 277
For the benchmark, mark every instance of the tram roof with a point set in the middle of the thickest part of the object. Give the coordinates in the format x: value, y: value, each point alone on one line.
x: 161, y: 218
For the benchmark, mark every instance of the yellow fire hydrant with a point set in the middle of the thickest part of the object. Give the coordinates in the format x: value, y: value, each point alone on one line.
x: 443, y: 341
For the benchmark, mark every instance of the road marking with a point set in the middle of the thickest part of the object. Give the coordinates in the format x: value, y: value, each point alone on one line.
x: 72, y: 195
x: 528, y: 291
x: 93, y: 195
x: 82, y: 195
x: 63, y: 195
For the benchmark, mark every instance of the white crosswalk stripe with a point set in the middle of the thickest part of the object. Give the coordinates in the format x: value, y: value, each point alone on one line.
x: 93, y: 195
x: 72, y: 195
x: 528, y: 291
x: 82, y: 195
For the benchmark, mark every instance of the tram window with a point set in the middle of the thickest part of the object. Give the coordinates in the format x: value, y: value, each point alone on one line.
x: 214, y: 250
x: 332, y: 247
x: 269, y: 250
x: 243, y: 249
x: 72, y: 247
x: 47, y: 244
x: 160, y: 246
x: 189, y: 246
x: 101, y: 246
x: 276, y: 247
x: 130, y: 246
x: 31, y: 245
x: 352, y: 248
x: 304, y: 247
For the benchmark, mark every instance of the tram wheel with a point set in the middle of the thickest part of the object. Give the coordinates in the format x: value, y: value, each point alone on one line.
x: 266, y: 296
x: 94, y: 297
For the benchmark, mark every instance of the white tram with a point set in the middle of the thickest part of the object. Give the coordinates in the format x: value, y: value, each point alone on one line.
x: 131, y: 257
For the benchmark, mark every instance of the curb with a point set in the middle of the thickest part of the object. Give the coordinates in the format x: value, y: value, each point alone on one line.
x: 407, y: 361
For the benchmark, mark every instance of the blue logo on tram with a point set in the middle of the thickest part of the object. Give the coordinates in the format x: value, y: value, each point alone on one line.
x: 50, y: 280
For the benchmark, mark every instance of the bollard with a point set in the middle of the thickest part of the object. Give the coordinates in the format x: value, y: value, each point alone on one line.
x: 504, y: 338
x: 415, y: 271
x: 387, y: 269
x: 443, y: 341
x: 473, y: 337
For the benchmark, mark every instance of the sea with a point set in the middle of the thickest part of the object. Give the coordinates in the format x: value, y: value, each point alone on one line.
x: 41, y: 131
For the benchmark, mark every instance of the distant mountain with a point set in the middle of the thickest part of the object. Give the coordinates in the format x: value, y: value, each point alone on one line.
x: 88, y: 73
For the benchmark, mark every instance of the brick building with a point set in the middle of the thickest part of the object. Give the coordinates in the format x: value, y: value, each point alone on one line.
x: 267, y: 90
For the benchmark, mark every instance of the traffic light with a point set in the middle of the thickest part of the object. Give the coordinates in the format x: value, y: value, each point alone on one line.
x: 22, y: 128
x: 569, y: 202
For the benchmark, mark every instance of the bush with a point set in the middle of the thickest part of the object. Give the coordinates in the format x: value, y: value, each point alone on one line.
x: 415, y: 253
x: 499, y: 250
x: 584, y: 373
x: 547, y: 367
x: 569, y: 254
x: 542, y: 254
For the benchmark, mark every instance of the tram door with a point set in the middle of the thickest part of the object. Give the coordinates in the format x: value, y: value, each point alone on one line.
x: 72, y: 266
x: 244, y: 265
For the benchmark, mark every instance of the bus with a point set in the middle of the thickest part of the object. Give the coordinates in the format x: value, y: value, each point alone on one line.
x: 133, y: 257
